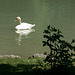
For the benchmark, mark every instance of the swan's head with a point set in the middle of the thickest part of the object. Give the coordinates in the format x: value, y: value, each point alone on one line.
x: 18, y: 18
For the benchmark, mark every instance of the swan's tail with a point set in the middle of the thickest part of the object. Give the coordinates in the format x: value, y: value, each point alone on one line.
x: 33, y: 25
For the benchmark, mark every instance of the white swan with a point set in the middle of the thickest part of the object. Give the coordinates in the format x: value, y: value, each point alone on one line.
x: 23, y: 25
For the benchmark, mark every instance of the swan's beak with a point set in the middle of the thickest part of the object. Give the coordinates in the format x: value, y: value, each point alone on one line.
x: 16, y: 20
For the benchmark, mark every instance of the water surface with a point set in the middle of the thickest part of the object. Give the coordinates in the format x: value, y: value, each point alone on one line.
x: 58, y: 13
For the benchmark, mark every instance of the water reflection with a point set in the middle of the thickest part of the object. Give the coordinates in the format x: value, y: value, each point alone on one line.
x: 23, y: 34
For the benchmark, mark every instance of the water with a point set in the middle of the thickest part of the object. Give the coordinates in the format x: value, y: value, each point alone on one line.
x: 58, y: 13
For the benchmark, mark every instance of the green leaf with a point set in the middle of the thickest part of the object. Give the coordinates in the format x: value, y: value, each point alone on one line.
x: 73, y: 41
x: 46, y: 36
x: 44, y: 43
x: 46, y: 31
x: 48, y: 27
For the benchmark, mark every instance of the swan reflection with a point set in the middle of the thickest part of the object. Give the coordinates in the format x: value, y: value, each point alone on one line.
x: 23, y: 34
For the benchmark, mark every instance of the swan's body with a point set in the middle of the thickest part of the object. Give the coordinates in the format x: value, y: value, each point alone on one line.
x: 23, y: 25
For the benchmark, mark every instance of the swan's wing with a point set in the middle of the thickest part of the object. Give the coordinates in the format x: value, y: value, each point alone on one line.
x: 27, y: 24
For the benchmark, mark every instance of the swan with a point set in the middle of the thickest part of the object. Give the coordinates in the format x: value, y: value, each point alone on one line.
x: 23, y: 25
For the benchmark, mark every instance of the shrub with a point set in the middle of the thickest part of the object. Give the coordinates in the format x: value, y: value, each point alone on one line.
x: 61, y: 52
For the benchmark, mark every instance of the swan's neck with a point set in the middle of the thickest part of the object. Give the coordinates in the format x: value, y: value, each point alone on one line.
x: 20, y: 21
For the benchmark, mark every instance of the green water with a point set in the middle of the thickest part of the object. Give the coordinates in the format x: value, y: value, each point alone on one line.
x: 58, y: 13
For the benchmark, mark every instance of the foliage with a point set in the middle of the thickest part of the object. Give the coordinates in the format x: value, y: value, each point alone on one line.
x: 61, y: 52
x: 8, y: 64
x: 33, y: 66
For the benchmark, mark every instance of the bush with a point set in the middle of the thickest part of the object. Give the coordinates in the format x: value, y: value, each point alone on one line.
x: 61, y: 52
